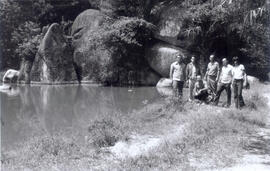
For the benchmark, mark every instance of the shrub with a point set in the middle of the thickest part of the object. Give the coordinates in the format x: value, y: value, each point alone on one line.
x: 121, y: 45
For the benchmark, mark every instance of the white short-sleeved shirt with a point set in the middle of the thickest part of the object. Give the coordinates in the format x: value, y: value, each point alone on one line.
x: 213, y: 68
x: 226, y: 74
x: 178, y: 71
x: 238, y: 72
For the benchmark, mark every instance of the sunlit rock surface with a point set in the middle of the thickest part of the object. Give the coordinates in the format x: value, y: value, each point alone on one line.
x: 252, y: 79
x: 161, y: 56
x: 84, y: 55
x: 168, y: 17
x: 164, y: 82
x: 10, y: 75
x: 54, y: 60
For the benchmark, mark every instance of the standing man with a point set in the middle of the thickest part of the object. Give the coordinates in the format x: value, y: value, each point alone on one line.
x: 177, y: 74
x: 192, y: 71
x: 224, y: 83
x: 239, y: 81
x: 212, y: 75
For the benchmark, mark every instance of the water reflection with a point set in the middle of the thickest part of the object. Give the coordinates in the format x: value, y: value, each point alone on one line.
x: 53, y: 108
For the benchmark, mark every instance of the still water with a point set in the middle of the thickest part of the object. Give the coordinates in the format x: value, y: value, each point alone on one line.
x: 26, y: 109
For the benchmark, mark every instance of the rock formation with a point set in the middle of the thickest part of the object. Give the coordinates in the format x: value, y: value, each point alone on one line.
x: 54, y: 60
x: 100, y: 61
x: 84, y: 56
x: 164, y: 82
x: 11, y: 75
x: 160, y: 57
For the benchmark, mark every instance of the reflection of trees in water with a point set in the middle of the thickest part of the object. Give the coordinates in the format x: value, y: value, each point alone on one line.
x: 40, y: 109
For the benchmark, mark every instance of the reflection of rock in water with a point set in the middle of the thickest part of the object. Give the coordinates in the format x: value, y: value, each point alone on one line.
x: 60, y: 108
x: 9, y: 90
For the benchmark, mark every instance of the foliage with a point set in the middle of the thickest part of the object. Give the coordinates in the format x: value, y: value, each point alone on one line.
x: 127, y: 8
x: 124, y: 39
x: 27, y: 37
x: 228, y: 28
x: 17, y: 14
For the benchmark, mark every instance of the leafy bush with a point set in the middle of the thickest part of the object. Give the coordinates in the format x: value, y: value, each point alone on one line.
x: 228, y: 28
x: 121, y: 44
x: 17, y: 14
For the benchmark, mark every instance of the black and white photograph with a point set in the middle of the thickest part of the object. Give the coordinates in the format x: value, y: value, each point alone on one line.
x: 135, y: 85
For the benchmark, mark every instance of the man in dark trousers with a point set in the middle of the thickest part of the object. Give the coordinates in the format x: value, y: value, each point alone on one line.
x: 224, y: 83
x: 212, y: 74
x: 177, y: 74
x: 239, y: 81
x: 192, y: 70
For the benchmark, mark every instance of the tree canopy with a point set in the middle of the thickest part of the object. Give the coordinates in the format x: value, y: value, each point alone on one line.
x: 224, y: 27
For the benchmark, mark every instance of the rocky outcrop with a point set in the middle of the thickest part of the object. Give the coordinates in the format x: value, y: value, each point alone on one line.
x: 168, y: 17
x: 112, y: 63
x: 54, y: 60
x: 164, y: 82
x: 11, y: 75
x: 252, y: 79
x: 161, y: 56
x: 165, y: 91
x: 84, y: 55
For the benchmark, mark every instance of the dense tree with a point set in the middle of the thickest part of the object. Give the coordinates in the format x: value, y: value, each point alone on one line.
x: 224, y: 27
x: 228, y: 28
x: 16, y: 14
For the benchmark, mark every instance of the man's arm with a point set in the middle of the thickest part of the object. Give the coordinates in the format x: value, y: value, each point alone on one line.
x: 206, y: 74
x: 245, y: 77
x: 171, y: 71
x: 187, y: 71
x: 184, y: 72
x: 218, y: 73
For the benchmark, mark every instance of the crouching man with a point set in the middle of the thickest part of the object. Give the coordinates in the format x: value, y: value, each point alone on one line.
x: 200, y: 90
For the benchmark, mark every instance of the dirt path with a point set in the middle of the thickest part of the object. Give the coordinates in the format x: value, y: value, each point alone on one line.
x: 141, y: 144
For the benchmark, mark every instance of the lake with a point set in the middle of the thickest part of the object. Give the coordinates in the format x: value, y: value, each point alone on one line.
x: 52, y: 108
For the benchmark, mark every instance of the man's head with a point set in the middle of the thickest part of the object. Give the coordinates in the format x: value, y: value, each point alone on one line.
x: 193, y: 59
x: 235, y: 60
x: 179, y: 58
x: 211, y: 58
x: 224, y: 61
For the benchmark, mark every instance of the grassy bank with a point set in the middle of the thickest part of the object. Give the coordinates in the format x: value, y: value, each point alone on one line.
x: 165, y: 135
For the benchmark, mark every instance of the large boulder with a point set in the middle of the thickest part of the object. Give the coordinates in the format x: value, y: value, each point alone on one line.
x: 11, y: 75
x: 169, y: 20
x: 54, y: 60
x: 165, y: 91
x: 161, y: 56
x: 252, y: 79
x: 85, y: 59
x: 100, y: 55
x: 164, y: 82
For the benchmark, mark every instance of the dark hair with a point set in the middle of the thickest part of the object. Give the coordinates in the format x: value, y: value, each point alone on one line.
x: 235, y: 58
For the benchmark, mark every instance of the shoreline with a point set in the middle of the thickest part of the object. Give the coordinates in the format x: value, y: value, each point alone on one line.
x: 210, y: 138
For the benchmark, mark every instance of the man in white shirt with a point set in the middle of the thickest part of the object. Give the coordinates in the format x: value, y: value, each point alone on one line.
x: 224, y: 82
x: 192, y: 70
x: 239, y: 81
x: 212, y: 74
x: 177, y: 74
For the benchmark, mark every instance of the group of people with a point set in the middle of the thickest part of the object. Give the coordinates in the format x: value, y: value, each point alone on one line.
x: 216, y: 79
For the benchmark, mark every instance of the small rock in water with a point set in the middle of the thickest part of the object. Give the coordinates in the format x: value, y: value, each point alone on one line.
x: 5, y: 87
